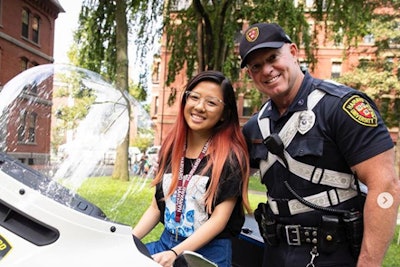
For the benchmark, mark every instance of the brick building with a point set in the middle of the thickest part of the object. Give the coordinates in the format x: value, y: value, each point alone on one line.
x: 27, y: 40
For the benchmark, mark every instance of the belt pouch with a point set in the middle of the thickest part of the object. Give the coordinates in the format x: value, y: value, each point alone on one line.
x: 328, y: 234
x: 266, y: 224
x: 354, y: 229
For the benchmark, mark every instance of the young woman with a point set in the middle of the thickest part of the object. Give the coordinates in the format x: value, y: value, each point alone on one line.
x: 202, y: 178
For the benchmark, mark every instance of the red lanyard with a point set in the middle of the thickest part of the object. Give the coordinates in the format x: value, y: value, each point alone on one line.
x: 183, y: 181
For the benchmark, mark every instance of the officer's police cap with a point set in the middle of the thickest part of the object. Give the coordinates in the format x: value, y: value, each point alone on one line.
x: 261, y: 35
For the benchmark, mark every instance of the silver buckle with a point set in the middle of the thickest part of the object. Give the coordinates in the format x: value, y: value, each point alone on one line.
x: 293, y: 235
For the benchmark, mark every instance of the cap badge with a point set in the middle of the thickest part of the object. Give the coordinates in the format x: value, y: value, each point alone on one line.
x: 252, y: 34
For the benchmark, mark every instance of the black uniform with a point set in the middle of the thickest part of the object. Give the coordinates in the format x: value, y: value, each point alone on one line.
x: 346, y: 130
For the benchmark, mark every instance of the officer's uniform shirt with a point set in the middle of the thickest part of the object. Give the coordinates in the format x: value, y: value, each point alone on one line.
x: 348, y: 130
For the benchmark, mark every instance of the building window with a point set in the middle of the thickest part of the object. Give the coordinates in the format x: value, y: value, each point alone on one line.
x: 21, y: 127
x: 180, y: 5
x: 363, y: 63
x: 304, y: 66
x: 1, y: 12
x: 32, y: 128
x: 30, y: 89
x: 309, y: 3
x: 35, y: 29
x: 25, y: 23
x: 27, y: 127
x: 24, y: 63
x: 369, y: 39
x: 156, y: 71
x: 247, y: 108
x: 156, y: 103
x: 1, y: 53
x: 336, y: 69
x: 338, y: 37
x: 34, y: 88
x: 388, y: 65
x: 394, y: 43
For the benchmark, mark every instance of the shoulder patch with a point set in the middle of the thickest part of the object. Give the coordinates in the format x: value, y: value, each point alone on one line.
x: 361, y: 111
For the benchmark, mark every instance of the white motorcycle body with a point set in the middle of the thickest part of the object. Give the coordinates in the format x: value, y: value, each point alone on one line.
x: 36, y: 230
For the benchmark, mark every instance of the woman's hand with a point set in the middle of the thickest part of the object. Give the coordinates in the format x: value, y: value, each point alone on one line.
x: 165, y: 258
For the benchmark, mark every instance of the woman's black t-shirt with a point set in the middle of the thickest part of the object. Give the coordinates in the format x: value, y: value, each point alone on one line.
x: 194, y: 212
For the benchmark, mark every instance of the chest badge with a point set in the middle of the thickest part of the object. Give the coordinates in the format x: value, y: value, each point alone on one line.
x: 306, y: 121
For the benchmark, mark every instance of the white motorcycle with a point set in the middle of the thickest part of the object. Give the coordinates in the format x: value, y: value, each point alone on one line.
x: 43, y: 224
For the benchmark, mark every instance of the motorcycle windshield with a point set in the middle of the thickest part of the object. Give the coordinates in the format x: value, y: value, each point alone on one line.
x: 59, y: 123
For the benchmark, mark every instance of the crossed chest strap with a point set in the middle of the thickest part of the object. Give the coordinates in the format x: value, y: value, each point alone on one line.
x: 341, y: 182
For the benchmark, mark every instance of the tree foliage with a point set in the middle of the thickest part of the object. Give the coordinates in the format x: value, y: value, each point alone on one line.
x: 203, y: 34
x: 102, y: 46
x: 209, y: 31
x: 379, y: 84
x: 95, y: 38
x: 379, y: 78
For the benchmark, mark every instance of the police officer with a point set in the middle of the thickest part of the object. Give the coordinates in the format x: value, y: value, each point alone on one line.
x: 325, y: 157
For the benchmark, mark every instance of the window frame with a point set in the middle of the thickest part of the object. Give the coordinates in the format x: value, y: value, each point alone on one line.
x: 336, y: 69
x: 24, y: 63
x: 35, y: 27
x: 32, y: 121
x: 22, y: 126
x: 25, y: 21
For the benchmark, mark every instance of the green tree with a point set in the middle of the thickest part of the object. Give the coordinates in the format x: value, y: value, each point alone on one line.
x: 378, y: 77
x: 208, y: 31
x: 137, y: 91
x: 121, y: 168
x: 102, y: 46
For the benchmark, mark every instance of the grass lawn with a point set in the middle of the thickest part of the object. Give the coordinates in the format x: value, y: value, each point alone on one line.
x: 125, y: 202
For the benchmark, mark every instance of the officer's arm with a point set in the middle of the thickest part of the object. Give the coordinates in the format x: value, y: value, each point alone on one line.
x: 378, y: 173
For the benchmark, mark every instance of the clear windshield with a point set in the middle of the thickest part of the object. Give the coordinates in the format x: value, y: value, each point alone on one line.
x: 57, y: 125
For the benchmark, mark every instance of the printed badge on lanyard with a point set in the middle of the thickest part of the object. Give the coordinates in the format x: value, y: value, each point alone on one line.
x: 184, y: 181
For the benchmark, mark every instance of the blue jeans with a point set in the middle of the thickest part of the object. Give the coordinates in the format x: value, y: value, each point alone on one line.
x: 218, y: 251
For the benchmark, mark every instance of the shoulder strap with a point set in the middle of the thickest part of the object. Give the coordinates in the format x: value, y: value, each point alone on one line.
x: 289, y: 130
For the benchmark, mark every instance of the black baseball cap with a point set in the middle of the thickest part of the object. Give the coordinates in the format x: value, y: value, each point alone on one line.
x: 261, y: 35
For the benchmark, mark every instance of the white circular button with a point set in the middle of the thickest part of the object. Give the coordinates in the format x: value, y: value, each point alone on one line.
x: 385, y: 200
